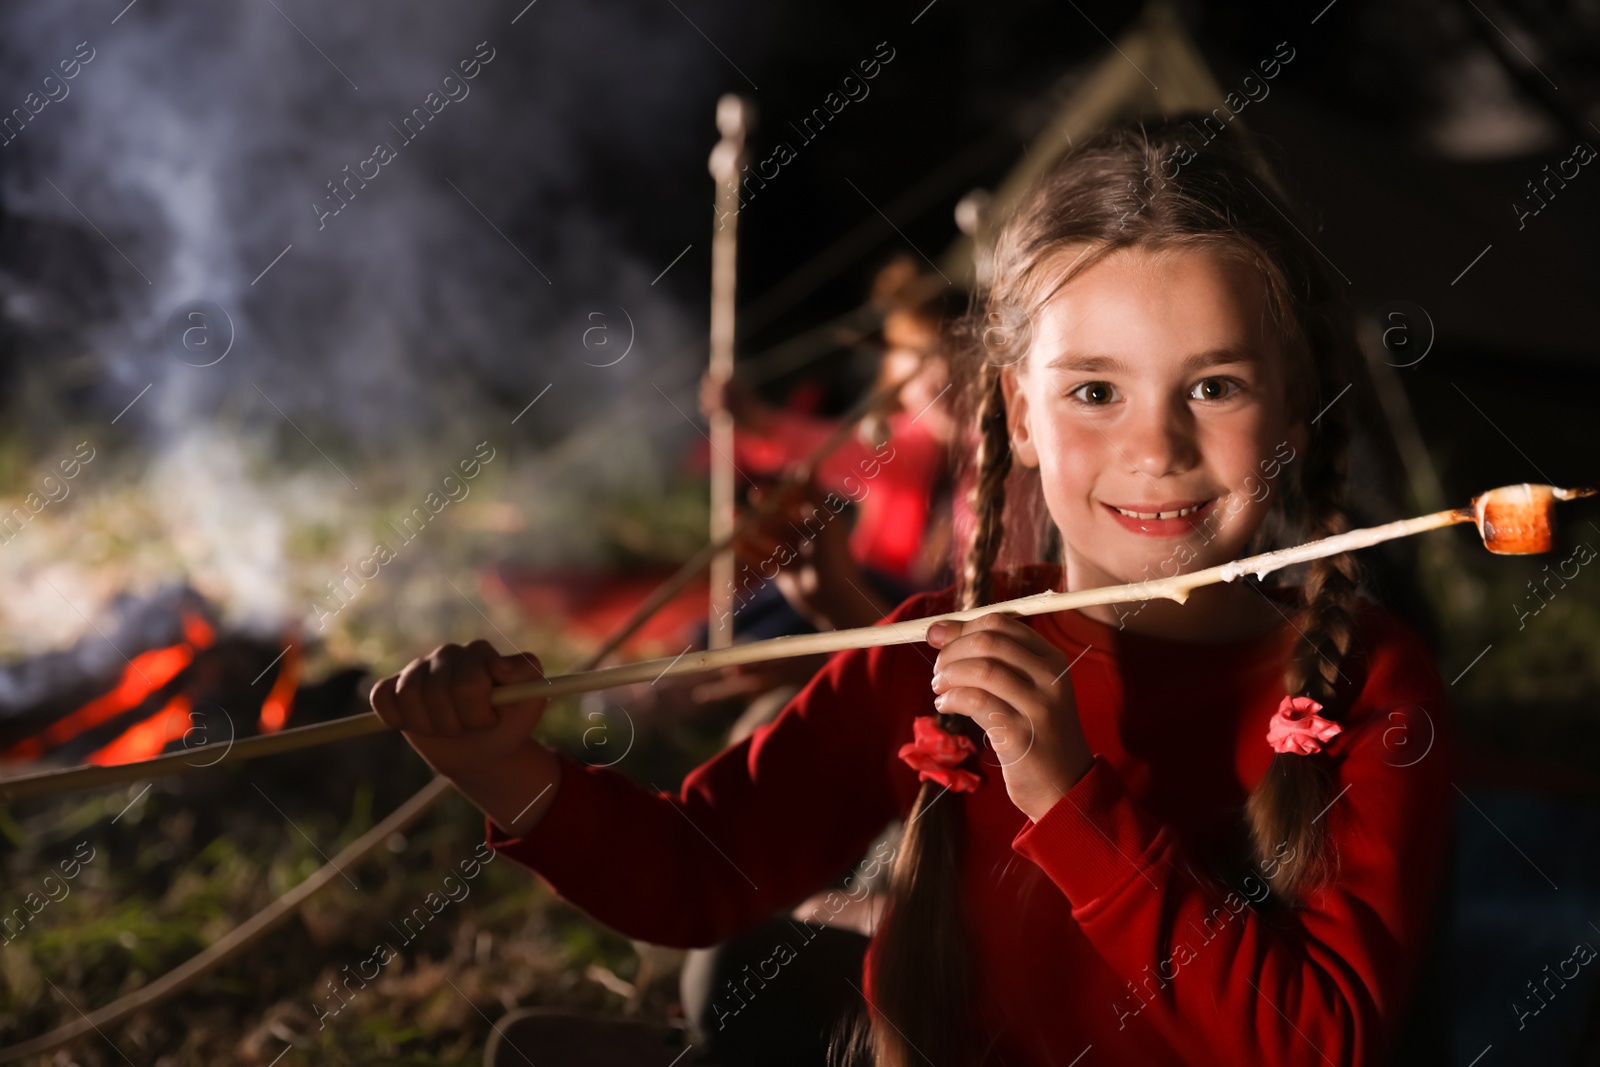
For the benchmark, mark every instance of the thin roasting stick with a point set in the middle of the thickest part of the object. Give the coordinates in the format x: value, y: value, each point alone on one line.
x: 1512, y: 520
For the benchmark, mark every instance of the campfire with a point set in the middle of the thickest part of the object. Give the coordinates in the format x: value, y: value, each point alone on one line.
x: 162, y: 677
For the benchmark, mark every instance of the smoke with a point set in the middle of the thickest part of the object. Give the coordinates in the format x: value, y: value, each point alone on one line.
x: 452, y: 286
x: 184, y: 243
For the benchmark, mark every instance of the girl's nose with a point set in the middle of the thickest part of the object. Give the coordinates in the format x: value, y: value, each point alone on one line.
x: 1159, y: 440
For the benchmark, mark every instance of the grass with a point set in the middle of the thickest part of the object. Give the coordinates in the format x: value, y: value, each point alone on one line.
x: 188, y: 861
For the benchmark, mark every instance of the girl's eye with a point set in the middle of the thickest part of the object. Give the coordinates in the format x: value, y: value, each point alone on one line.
x: 1095, y: 393
x: 1214, y: 389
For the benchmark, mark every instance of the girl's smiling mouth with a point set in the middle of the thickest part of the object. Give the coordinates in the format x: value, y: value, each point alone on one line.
x: 1170, y: 518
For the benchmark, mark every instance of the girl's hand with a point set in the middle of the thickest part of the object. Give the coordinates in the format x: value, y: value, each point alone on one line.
x: 1012, y: 682
x: 441, y: 702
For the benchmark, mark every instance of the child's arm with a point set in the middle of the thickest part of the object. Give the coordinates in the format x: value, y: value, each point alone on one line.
x: 752, y: 831
x: 1329, y: 983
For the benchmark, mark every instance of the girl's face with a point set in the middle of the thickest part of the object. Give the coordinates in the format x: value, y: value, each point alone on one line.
x: 1154, y: 402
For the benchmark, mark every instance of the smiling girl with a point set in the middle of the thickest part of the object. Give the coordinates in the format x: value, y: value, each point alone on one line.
x: 1168, y: 834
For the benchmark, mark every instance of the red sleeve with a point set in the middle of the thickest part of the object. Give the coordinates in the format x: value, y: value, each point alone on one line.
x: 757, y: 828
x: 1331, y: 982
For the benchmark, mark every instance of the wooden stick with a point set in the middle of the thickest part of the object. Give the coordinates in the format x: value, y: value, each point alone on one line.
x: 1512, y: 520
x: 726, y: 157
x: 1175, y: 588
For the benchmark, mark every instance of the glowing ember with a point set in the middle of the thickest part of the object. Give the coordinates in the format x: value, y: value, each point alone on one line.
x: 151, y: 705
x: 145, y: 740
x: 145, y: 674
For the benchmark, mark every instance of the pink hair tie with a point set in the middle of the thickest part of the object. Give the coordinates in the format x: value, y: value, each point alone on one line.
x: 937, y: 754
x: 1297, y: 729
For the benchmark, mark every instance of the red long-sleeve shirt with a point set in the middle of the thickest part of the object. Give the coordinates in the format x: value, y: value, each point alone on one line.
x: 1094, y: 928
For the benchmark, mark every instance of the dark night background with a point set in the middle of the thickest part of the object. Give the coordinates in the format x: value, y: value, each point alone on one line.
x: 457, y: 288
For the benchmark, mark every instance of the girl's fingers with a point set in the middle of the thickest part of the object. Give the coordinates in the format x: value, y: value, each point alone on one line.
x: 1015, y: 627
x: 515, y: 670
x: 991, y: 675
x: 469, y: 686
x: 408, y: 699
x: 448, y: 693
x: 984, y: 708
x: 975, y: 703
x: 382, y: 701
x: 1007, y: 641
x: 1007, y: 730
x: 436, y: 696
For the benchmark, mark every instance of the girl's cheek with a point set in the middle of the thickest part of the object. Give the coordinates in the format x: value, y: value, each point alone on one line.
x: 1072, y: 456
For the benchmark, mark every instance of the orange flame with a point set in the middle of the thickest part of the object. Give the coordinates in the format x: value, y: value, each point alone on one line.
x: 280, y: 701
x: 145, y: 674
x: 145, y: 740
x: 197, y: 631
